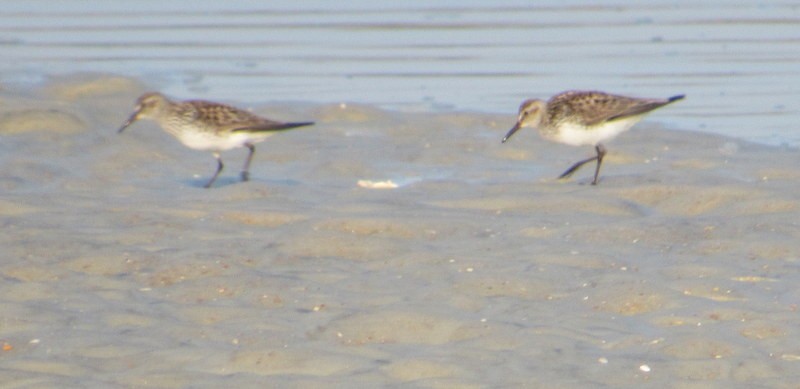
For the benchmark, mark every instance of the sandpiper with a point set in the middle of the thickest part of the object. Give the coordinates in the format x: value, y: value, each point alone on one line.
x: 580, y: 118
x: 205, y: 125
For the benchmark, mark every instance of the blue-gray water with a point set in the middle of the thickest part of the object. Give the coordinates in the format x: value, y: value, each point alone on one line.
x: 736, y: 61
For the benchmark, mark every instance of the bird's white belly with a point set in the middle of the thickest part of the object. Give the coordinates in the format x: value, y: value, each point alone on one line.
x: 575, y: 135
x: 210, y: 141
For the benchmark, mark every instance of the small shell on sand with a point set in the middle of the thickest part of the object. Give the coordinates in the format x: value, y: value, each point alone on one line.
x: 388, y: 184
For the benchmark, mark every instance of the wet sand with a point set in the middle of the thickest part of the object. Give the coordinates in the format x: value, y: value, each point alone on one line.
x: 478, y: 270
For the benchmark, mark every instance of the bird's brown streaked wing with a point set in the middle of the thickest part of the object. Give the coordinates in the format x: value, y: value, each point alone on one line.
x: 227, y: 118
x: 596, y: 108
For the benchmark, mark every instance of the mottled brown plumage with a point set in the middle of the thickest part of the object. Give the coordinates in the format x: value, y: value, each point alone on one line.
x: 584, y: 118
x: 205, y: 125
x: 594, y: 108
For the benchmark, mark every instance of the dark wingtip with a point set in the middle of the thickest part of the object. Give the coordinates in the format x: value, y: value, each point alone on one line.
x: 676, y: 98
x: 298, y: 124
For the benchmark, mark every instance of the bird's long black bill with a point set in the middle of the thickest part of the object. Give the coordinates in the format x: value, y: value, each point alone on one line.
x: 511, y: 132
x: 128, y: 122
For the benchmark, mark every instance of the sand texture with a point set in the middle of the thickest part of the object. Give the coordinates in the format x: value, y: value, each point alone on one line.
x: 479, y: 269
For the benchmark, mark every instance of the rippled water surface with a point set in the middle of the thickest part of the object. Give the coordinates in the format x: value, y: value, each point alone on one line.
x: 737, y: 61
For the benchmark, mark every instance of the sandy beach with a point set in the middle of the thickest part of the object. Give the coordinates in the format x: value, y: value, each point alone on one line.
x: 478, y: 270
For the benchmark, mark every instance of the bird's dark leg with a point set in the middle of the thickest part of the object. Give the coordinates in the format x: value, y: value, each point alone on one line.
x: 219, y: 169
x: 576, y: 166
x: 246, y: 169
x: 601, y: 152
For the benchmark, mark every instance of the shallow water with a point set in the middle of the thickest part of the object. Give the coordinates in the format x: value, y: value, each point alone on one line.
x: 479, y: 270
x: 735, y: 60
